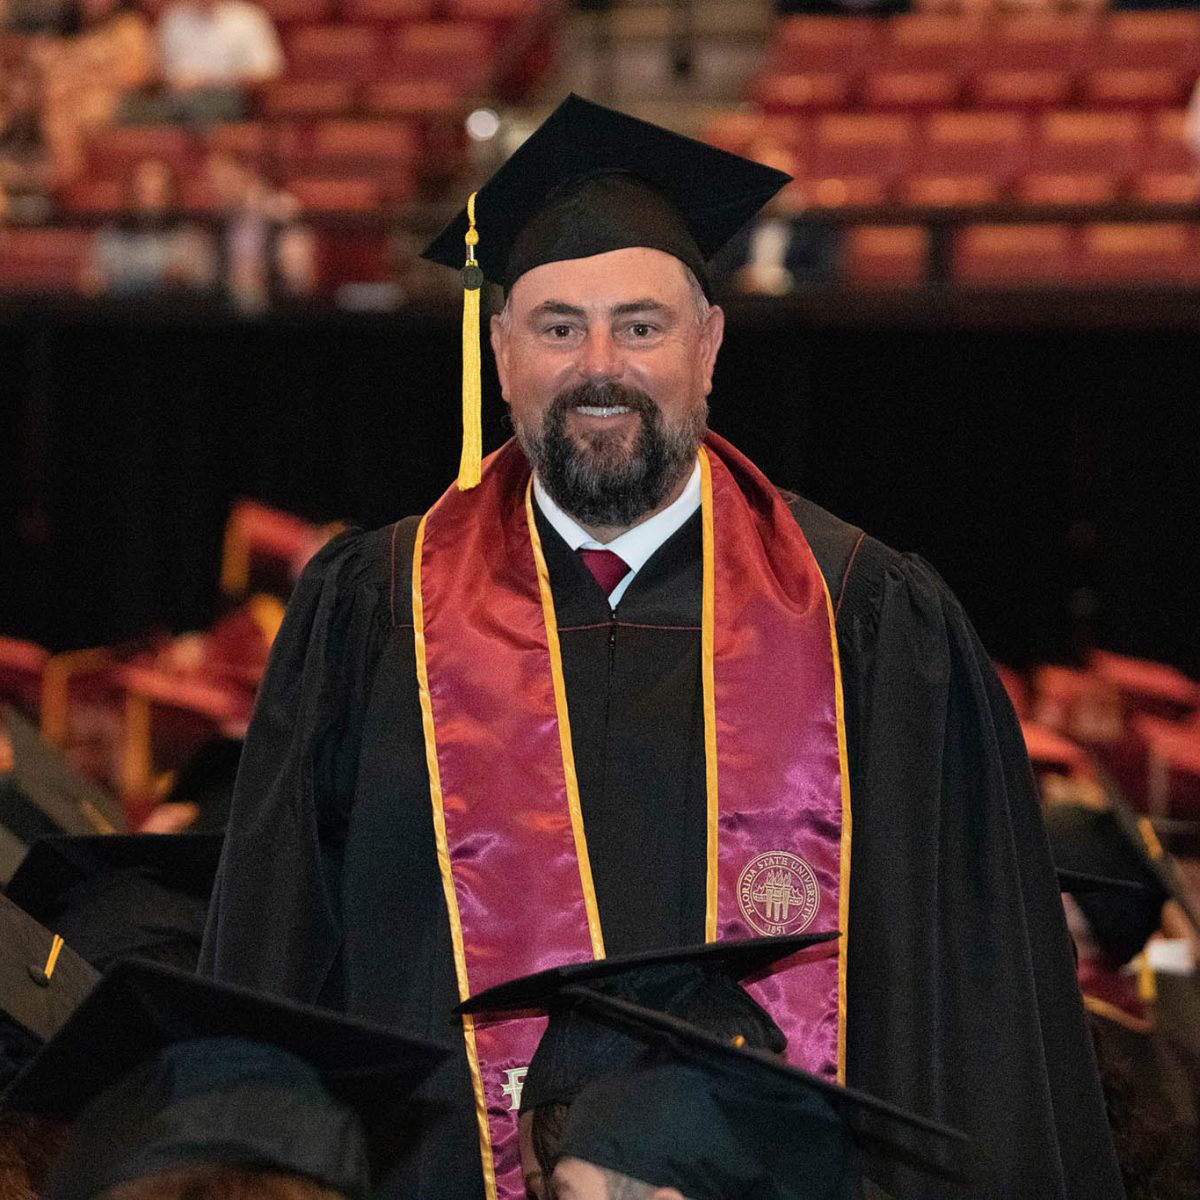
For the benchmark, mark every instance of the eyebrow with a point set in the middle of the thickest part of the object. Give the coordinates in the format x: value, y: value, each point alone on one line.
x: 560, y: 308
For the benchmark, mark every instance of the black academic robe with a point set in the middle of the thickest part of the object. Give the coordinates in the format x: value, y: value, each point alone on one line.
x: 963, y: 1004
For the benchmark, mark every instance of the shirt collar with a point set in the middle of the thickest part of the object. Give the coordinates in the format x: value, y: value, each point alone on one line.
x: 635, y: 545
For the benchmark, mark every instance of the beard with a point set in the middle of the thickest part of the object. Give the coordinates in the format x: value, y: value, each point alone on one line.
x: 599, y: 480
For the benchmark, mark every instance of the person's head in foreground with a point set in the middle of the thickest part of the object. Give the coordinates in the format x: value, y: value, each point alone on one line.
x: 698, y: 984
x: 697, y: 1118
x: 177, y: 1087
x: 599, y: 228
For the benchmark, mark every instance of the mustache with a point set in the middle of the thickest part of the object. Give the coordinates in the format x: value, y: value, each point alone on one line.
x: 602, y: 395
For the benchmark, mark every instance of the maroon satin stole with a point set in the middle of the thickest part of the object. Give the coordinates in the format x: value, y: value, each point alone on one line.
x: 511, y: 844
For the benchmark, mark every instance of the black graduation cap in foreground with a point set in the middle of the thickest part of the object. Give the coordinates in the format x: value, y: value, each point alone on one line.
x: 697, y: 983
x: 43, y: 795
x: 42, y: 981
x: 716, y: 1121
x: 590, y: 179
x: 138, y: 894
x: 160, y: 1069
x: 1101, y: 842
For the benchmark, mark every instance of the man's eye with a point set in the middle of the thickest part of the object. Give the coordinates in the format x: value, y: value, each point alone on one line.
x: 640, y: 329
x: 560, y: 331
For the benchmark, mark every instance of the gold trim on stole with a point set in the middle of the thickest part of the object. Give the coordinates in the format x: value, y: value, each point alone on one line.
x: 708, y: 682
x: 443, y: 853
x: 564, y: 731
x: 1119, y: 1016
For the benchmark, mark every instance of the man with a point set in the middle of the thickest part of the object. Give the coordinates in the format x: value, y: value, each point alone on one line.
x: 478, y: 753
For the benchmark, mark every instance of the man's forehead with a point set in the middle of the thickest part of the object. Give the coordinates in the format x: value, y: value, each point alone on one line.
x: 617, y: 278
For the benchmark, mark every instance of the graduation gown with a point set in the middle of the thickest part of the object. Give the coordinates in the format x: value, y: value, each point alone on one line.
x: 962, y: 1000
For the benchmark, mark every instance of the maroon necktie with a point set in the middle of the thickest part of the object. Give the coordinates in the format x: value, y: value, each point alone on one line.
x: 607, y: 568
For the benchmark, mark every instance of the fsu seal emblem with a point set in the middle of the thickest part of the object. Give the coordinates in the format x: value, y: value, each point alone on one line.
x: 778, y: 893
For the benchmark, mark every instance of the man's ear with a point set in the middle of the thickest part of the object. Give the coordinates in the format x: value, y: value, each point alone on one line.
x: 712, y: 332
x: 500, y: 345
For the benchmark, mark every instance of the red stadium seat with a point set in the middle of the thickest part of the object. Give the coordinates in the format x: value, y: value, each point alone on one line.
x: 840, y: 44
x: 1029, y: 88
x: 1145, y: 686
x: 802, y: 91
x: 931, y: 42
x: 454, y: 53
x: 1169, y: 172
x: 886, y: 255
x: 306, y: 97
x: 113, y: 152
x: 1168, y: 39
x: 43, y: 260
x: 346, y: 52
x: 910, y: 89
x: 988, y: 255
x: 94, y: 197
x: 1082, y: 157
x: 391, y: 11
x: 1148, y: 87
x: 414, y: 97
x: 336, y: 195
x: 855, y: 158
x: 967, y: 158
x: 284, y: 12
x: 250, y: 139
x: 737, y: 131
x: 1159, y: 252
x: 1039, y: 41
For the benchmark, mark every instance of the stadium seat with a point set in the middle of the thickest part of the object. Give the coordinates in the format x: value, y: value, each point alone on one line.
x: 306, y: 97
x: 21, y: 667
x: 284, y: 12
x: 854, y: 158
x: 43, y: 260
x: 1166, y: 39
x: 345, y: 52
x: 909, y: 90
x: 1147, y: 87
x: 839, y: 44
x: 927, y: 42
x: 1037, y: 255
x: 1159, y: 252
x: 1030, y: 60
x: 93, y: 198
x: 112, y: 153
x: 251, y: 139
x: 451, y: 52
x: 1027, y: 88
x: 415, y: 97
x: 967, y: 158
x: 1081, y: 157
x: 1169, y: 172
x: 886, y: 255
x: 736, y: 131
x: 802, y: 91
x: 1152, y: 688
x: 391, y: 11
x: 336, y: 195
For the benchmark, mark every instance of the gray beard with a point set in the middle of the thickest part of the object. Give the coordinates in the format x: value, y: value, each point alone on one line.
x: 601, y: 483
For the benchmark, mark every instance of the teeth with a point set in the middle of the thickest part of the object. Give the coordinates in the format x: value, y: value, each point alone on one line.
x: 608, y: 411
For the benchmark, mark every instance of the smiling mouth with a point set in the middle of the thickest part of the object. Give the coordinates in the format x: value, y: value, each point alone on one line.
x: 608, y: 410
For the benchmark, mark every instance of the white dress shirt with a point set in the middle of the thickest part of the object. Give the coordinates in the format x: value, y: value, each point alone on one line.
x: 636, y: 545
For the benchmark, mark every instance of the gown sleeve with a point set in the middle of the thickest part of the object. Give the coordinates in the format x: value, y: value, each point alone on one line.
x: 963, y: 1003
x: 274, y: 920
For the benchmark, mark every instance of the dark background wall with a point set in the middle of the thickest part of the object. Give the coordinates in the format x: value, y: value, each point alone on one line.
x: 1049, y: 469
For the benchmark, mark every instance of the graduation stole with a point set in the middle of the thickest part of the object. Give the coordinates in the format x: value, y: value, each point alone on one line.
x: 512, y: 849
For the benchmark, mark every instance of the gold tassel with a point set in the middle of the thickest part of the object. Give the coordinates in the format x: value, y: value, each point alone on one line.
x: 472, y: 444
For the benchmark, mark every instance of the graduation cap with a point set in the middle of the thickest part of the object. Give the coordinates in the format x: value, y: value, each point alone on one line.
x: 715, y: 1120
x: 143, y: 895
x: 43, y: 795
x: 159, y: 1070
x: 587, y: 181
x: 42, y: 981
x: 1087, y: 843
x: 698, y: 983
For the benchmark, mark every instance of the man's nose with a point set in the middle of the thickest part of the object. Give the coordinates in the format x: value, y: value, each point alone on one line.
x: 600, y: 356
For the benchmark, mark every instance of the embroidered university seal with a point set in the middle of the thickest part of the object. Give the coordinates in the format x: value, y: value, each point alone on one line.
x: 778, y: 893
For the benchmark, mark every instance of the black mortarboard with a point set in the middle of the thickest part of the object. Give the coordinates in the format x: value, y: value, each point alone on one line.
x: 160, y: 1069
x: 143, y: 895
x: 1100, y: 842
x: 42, y: 980
x: 718, y: 1121
x: 44, y: 795
x: 697, y: 983
x: 590, y: 179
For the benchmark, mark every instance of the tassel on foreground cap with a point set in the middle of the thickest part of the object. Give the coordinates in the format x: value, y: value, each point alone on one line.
x: 472, y: 445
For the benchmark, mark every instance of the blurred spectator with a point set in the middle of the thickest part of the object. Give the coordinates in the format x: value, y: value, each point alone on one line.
x: 211, y: 52
x: 779, y: 249
x: 27, y: 171
x: 110, y: 56
x: 265, y: 253
x: 151, y: 249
